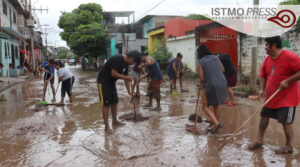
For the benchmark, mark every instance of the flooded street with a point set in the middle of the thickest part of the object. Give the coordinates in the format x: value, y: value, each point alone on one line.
x: 73, y: 135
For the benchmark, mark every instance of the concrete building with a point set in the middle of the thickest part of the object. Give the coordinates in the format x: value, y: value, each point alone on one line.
x: 17, y: 25
x: 9, y: 52
x: 186, y: 46
x: 180, y: 34
x: 151, y: 22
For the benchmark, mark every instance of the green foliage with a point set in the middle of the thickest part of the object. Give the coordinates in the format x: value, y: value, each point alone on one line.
x: 290, y: 2
x: 62, y: 53
x: 196, y: 17
x: 83, y: 30
x: 161, y: 55
x: 242, y: 89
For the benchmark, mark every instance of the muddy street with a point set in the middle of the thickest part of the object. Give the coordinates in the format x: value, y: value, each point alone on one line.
x: 73, y: 135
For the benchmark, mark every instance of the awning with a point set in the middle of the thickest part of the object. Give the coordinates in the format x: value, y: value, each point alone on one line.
x: 13, y: 32
x: 23, y: 51
x: 3, y: 36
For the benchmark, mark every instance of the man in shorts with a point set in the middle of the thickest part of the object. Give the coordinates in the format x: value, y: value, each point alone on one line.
x: 156, y: 77
x: 280, y: 69
x: 48, y: 68
x: 175, y: 72
x: 115, y: 68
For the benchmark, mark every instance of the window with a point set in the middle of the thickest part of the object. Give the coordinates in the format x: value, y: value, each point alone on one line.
x: 4, y: 8
x: 6, y: 49
x: 16, y: 52
x: 12, y: 50
x: 14, y: 18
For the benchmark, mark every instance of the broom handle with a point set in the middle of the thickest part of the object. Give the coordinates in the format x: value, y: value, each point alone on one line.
x: 57, y: 88
x: 133, y: 101
x: 258, y: 109
x: 196, y: 120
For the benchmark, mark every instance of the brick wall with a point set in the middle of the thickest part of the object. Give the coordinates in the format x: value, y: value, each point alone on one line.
x: 245, y: 51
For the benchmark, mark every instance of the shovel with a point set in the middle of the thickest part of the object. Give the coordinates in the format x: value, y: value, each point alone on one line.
x: 193, y: 128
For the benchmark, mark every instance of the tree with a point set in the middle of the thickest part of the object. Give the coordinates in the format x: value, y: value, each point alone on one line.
x: 290, y: 2
x: 196, y: 17
x: 62, y: 53
x: 83, y: 30
x: 161, y: 54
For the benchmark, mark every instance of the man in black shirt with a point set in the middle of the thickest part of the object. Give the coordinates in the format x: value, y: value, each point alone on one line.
x: 231, y: 76
x: 115, y: 68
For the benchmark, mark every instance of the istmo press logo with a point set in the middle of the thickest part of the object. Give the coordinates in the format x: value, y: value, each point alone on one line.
x: 284, y: 18
x: 261, y: 21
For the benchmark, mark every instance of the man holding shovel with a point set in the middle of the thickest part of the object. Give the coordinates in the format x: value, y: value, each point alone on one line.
x: 115, y: 68
x: 281, y: 69
x: 156, y: 77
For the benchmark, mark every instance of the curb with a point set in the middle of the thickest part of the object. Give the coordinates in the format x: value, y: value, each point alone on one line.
x: 15, y: 83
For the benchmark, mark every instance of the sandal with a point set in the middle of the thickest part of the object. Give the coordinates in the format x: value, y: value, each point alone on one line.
x: 254, y: 146
x: 284, y: 150
x: 230, y: 104
x: 215, y: 128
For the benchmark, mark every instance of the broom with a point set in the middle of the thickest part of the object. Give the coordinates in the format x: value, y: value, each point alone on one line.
x: 257, y: 110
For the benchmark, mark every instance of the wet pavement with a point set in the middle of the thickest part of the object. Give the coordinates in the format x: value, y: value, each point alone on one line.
x: 73, y: 135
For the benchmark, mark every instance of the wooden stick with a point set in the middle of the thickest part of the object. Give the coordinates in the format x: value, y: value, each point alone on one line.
x: 197, y: 113
x: 57, y: 89
x: 258, y: 110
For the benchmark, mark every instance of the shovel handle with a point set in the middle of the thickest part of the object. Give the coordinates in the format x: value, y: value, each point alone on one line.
x: 257, y: 110
x: 196, y: 110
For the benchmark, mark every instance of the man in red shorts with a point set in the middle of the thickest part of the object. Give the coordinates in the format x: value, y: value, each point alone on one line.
x: 281, y: 69
x: 156, y: 77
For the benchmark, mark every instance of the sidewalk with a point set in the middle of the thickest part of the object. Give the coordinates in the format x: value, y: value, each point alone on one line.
x: 4, y: 85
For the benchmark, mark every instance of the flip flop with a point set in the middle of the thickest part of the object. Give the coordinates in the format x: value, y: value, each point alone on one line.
x: 254, y: 146
x: 284, y: 150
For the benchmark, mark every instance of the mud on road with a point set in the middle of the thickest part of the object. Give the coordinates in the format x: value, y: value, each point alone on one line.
x: 73, y: 135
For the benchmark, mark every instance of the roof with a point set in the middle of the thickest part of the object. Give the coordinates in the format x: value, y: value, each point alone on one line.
x: 118, y: 13
x: 149, y: 16
x: 156, y: 28
x: 3, y: 36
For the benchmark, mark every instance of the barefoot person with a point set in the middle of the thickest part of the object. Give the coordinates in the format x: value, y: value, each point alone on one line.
x: 230, y: 75
x: 212, y: 78
x: 280, y: 69
x: 115, y: 68
x: 67, y: 79
x: 174, y: 71
x: 136, y: 73
x: 156, y: 77
x: 48, y: 68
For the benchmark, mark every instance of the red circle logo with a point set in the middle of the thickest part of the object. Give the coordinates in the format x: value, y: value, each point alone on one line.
x: 284, y: 18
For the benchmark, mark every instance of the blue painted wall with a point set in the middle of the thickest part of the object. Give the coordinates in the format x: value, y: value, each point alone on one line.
x: 113, y: 44
x: 148, y: 25
x: 8, y: 60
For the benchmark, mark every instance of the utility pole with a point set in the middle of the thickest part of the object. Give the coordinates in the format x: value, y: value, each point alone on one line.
x: 46, y: 41
x: 254, y: 56
x: 31, y: 39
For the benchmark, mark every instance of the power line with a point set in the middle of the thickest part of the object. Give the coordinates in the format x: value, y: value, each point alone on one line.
x: 153, y: 8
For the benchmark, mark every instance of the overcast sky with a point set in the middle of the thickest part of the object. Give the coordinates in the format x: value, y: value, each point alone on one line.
x: 168, y: 7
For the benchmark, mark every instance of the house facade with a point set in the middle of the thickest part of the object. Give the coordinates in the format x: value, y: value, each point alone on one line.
x: 16, y: 45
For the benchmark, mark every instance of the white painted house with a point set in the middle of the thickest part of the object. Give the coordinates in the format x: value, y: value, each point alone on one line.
x: 186, y: 45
